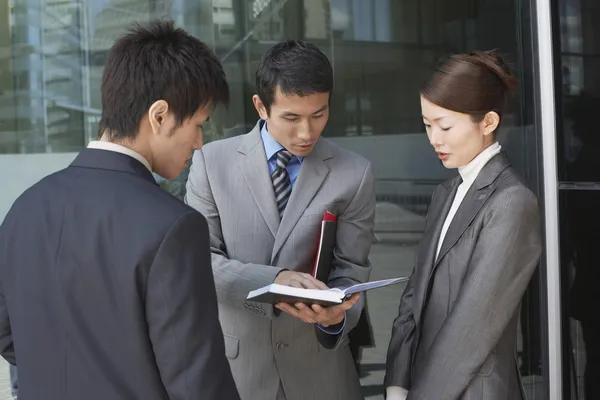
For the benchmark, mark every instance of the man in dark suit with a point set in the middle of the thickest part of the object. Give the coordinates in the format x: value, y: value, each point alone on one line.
x: 106, y: 286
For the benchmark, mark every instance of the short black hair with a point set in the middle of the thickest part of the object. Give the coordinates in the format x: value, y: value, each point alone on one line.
x: 296, y: 67
x: 158, y: 62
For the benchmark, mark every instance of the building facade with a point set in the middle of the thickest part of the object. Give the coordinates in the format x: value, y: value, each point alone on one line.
x: 52, y: 54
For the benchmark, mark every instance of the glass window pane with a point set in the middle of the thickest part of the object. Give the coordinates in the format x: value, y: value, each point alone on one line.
x: 580, y: 90
x: 579, y: 172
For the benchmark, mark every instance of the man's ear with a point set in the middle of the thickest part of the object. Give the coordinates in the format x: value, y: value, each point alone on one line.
x: 260, y: 107
x: 490, y: 122
x: 157, y: 114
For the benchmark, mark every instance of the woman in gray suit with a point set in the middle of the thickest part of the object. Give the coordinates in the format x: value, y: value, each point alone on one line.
x: 456, y: 333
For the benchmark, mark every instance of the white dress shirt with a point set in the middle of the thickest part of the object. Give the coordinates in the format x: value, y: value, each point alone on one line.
x: 468, y: 173
x: 97, y: 144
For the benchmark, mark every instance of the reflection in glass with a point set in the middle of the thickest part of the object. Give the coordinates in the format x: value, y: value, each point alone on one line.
x: 579, y: 174
x: 580, y: 66
x: 580, y: 220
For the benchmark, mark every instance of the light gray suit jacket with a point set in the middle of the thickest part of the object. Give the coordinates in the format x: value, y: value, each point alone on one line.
x: 456, y: 333
x: 230, y: 184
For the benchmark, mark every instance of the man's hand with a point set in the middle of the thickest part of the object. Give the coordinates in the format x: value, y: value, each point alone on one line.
x: 299, y: 280
x: 315, y: 314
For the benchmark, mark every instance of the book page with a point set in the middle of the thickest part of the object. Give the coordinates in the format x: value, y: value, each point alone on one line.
x: 361, y: 287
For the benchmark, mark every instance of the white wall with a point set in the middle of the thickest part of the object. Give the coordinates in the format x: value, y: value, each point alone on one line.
x: 20, y: 171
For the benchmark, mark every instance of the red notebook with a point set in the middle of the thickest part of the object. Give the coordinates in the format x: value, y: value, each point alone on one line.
x: 325, y: 248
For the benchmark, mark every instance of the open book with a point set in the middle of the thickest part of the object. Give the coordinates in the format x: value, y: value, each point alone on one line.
x: 274, y: 293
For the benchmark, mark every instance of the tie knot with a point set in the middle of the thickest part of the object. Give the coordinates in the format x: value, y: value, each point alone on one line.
x: 283, y: 158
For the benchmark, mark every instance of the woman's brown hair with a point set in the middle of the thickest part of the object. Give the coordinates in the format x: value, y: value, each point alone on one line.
x: 473, y: 83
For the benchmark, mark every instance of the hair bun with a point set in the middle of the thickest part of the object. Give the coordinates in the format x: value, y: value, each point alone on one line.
x: 495, y: 63
x: 470, y: 83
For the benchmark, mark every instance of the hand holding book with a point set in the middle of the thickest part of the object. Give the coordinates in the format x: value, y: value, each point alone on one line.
x: 306, y: 296
x: 274, y: 293
x: 299, y: 280
x: 310, y: 313
x: 317, y: 314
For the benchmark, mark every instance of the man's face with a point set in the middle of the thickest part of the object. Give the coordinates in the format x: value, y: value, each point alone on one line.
x: 295, y: 122
x: 174, y: 146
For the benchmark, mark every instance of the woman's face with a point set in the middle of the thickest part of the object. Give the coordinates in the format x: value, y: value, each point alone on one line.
x: 455, y: 137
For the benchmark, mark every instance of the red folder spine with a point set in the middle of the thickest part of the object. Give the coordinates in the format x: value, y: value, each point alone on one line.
x: 327, y: 217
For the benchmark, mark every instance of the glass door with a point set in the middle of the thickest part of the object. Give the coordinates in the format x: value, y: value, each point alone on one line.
x: 578, y: 103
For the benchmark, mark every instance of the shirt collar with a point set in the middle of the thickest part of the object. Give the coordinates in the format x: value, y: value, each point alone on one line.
x: 272, y: 146
x: 117, y: 148
x: 470, y: 171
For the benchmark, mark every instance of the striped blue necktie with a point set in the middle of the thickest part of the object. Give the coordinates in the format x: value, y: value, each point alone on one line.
x: 281, y: 181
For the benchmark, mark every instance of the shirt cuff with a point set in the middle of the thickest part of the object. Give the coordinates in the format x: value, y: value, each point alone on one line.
x: 334, y: 329
x: 396, y: 393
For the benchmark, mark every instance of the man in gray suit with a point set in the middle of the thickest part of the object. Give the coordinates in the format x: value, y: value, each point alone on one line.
x: 264, y: 195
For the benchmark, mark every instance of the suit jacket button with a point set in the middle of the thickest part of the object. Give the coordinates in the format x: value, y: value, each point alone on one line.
x: 279, y: 346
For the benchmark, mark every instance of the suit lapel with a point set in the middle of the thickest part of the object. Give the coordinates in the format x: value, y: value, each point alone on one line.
x: 313, y: 172
x: 440, y: 215
x: 476, y: 197
x: 255, y: 170
x: 469, y: 208
x: 436, y: 214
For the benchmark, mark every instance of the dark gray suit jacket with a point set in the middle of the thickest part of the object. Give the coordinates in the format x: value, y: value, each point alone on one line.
x: 107, y: 291
x: 456, y: 333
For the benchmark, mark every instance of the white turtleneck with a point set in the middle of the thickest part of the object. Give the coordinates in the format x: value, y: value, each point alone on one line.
x: 468, y: 174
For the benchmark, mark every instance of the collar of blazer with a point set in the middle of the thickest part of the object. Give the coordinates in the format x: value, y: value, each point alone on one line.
x: 255, y: 170
x: 483, y: 187
x: 112, y: 161
x: 488, y: 174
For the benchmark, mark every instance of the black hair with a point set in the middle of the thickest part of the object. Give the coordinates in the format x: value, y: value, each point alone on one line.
x: 158, y: 62
x: 296, y: 67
